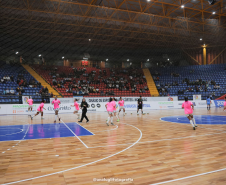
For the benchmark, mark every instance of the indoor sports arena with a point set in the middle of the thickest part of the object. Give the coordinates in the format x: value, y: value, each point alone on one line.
x: 113, y: 92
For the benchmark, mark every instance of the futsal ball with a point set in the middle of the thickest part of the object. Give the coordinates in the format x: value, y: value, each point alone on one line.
x: 131, y: 113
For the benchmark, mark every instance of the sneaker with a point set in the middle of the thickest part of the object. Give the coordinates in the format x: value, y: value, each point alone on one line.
x: 87, y: 121
x: 193, y: 128
x: 54, y: 121
x: 80, y: 121
x: 107, y: 124
x: 196, y: 126
x: 112, y: 123
x: 117, y: 120
x: 137, y: 113
x: 59, y: 119
x: 42, y: 118
x: 31, y: 117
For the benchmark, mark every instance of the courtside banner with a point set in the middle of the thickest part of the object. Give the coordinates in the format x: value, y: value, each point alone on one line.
x: 100, y: 106
x: 131, y: 99
x: 218, y: 103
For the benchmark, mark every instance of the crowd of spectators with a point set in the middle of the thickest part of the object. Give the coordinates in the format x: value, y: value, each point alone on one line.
x: 122, y: 80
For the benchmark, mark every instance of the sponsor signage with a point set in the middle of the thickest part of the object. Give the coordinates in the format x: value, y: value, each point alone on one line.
x: 219, y: 103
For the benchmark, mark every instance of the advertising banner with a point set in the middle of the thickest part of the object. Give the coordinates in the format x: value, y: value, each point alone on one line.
x: 218, y: 103
x: 63, y: 100
x: 197, y: 97
x: 24, y: 99
x: 100, y: 106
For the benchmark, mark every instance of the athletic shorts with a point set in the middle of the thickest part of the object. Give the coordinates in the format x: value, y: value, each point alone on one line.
x: 114, y: 111
x: 208, y: 104
x: 188, y: 115
x: 57, y: 109
x: 40, y: 110
x: 140, y: 107
x: 109, y: 112
x: 121, y: 107
x: 30, y: 106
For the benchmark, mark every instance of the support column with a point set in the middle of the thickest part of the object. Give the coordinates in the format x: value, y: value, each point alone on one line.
x: 204, y: 55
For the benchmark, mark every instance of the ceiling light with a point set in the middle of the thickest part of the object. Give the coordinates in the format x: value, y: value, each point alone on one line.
x: 200, y: 39
x: 40, y: 55
x: 213, y: 12
x: 182, y: 6
x: 17, y: 52
x: 128, y: 60
x: 148, y: 0
x: 106, y: 59
x: 62, y: 57
x: 168, y: 59
x: 89, y: 39
x: 147, y: 59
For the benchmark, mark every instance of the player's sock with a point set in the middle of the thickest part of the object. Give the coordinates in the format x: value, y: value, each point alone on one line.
x: 108, y: 119
x: 193, y: 119
x: 124, y: 113
x: 117, y: 117
x: 192, y: 123
x: 112, y: 119
x: 55, y: 117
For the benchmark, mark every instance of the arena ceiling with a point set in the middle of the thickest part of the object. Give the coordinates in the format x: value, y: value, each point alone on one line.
x: 114, y: 29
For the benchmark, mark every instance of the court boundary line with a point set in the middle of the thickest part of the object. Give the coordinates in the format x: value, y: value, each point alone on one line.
x: 84, y: 128
x: 75, y: 134
x: 13, y: 133
x: 33, y: 178
x: 188, y: 177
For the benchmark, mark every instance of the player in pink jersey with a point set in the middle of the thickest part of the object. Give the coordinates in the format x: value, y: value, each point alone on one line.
x: 121, y: 106
x: 188, y: 110
x: 30, y: 105
x: 225, y: 103
x: 40, y: 109
x: 114, y: 111
x: 56, y: 104
x: 110, y: 109
x: 76, y: 105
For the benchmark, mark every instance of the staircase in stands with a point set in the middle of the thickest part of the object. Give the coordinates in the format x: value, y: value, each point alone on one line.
x: 150, y: 82
x: 41, y: 80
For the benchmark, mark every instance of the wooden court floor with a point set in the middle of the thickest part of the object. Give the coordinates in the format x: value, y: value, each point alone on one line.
x: 140, y: 147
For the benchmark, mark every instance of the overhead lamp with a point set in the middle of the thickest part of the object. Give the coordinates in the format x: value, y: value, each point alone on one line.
x: 17, y: 52
x: 214, y: 13
x: 40, y: 55
x: 182, y: 6
x: 148, y: 60
x: 127, y: 60
x: 200, y: 39
x: 89, y: 39
x: 106, y: 59
x: 62, y: 57
x: 168, y: 59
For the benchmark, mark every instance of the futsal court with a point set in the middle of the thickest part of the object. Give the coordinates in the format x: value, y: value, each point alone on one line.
x: 156, y: 148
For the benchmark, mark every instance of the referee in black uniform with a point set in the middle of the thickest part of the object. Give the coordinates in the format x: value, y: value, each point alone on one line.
x: 84, y: 106
x: 140, y: 105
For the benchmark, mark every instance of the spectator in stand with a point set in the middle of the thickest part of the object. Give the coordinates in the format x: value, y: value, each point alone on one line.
x: 18, y: 89
x: 143, y: 91
x: 133, y: 90
x: 102, y: 93
x: 7, y: 92
x: 12, y: 92
x: 21, y: 82
x: 20, y: 98
x: 12, y: 78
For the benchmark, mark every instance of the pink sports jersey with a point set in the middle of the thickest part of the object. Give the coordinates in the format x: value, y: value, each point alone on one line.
x: 56, y: 104
x: 113, y: 105
x: 187, y: 107
x: 225, y: 103
x: 40, y: 107
x: 76, y: 105
x: 109, y: 107
x: 30, y: 101
x: 121, y: 103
